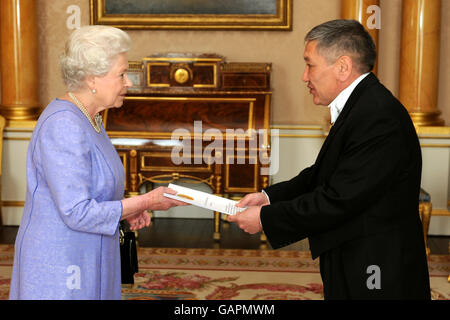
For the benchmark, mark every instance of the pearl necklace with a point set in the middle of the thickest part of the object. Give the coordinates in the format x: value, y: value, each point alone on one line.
x: 98, y: 118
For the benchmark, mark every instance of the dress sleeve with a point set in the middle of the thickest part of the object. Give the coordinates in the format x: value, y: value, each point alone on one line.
x: 65, y: 163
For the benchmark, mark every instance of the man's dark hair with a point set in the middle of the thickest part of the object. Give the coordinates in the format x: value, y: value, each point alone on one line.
x: 344, y: 37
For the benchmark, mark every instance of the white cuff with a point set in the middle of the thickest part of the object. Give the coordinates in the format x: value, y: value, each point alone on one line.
x: 260, y: 212
x: 267, y: 196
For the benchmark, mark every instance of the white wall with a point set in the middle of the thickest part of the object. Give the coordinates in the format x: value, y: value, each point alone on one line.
x: 436, y: 179
x: 298, y: 148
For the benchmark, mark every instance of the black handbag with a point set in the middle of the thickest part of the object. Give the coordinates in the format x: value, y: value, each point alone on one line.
x: 128, y: 255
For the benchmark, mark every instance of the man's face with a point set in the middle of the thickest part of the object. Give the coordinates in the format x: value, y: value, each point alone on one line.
x: 320, y: 76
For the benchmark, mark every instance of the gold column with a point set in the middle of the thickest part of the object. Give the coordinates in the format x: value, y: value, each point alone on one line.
x: 19, y: 60
x: 357, y: 10
x: 419, y: 60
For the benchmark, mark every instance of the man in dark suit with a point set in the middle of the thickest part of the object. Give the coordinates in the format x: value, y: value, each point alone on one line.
x: 358, y: 203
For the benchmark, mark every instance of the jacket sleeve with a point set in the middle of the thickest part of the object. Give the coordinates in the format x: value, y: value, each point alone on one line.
x: 368, y: 162
x: 288, y: 190
x: 65, y: 164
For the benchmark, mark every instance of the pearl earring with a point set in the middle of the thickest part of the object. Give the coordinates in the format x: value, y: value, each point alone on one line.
x: 94, y: 91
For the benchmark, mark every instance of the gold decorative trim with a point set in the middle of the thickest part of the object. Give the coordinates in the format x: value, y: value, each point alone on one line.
x: 149, y: 83
x: 193, y: 99
x: 214, y: 85
x: 433, y: 130
x: 168, y: 135
x: 105, y: 118
x: 175, y: 176
x: 423, y: 133
x: 24, y: 124
x: 165, y: 135
x: 282, y: 135
x: 419, y: 130
x: 20, y: 112
x: 200, y: 91
x: 227, y: 187
x: 170, y: 169
x: 267, y: 121
x: 12, y: 203
x: 245, y: 86
x: 123, y: 155
x: 281, y: 127
x: 135, y: 65
x: 184, y: 59
x: 435, y: 145
x: 434, y: 137
x: 17, y: 138
x: 23, y: 130
x: 280, y: 21
x: 181, y: 75
x: 245, y: 67
x: 440, y: 212
x: 427, y: 119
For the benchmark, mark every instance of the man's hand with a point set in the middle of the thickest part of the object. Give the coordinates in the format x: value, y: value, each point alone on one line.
x: 248, y: 220
x: 253, y: 199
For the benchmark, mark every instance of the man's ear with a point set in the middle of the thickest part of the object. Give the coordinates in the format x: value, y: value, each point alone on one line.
x: 344, y: 67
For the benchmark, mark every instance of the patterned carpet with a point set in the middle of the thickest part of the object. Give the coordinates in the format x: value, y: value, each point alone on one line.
x: 208, y: 274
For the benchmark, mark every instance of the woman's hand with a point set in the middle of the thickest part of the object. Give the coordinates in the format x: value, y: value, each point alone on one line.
x: 153, y: 200
x: 139, y: 221
x: 157, y: 201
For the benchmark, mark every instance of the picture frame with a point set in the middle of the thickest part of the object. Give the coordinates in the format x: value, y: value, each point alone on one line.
x: 273, y: 15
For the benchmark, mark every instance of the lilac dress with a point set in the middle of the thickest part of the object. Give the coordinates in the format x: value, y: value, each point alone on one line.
x: 67, y: 246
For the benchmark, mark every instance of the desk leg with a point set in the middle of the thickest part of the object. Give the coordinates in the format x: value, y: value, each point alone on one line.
x: 217, y: 191
x: 216, y: 236
x: 263, y: 239
x: 426, y: 215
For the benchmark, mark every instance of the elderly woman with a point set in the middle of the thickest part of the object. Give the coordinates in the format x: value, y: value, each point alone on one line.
x: 67, y: 246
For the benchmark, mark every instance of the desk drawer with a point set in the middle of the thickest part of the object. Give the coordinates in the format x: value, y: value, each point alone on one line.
x: 163, y: 162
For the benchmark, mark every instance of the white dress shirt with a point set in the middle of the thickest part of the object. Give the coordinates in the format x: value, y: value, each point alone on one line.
x: 339, y: 102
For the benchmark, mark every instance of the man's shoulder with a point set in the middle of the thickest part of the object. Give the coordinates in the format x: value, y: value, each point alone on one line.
x: 375, y: 90
x: 376, y: 99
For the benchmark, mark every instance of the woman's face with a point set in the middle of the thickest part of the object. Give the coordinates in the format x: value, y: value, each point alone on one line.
x: 112, y: 88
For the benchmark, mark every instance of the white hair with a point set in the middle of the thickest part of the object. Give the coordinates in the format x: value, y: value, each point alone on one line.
x: 91, y: 51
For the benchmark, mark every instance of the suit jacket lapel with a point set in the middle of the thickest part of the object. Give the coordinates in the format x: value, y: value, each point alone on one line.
x: 370, y: 79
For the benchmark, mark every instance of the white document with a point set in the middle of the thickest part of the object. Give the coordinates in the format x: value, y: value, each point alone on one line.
x: 204, y: 200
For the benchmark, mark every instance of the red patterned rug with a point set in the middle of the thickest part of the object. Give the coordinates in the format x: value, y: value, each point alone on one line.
x: 225, y: 274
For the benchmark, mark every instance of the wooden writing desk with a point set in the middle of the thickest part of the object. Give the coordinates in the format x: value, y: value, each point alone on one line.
x: 186, y: 101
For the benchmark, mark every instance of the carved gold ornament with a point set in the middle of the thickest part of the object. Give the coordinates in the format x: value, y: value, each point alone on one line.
x: 181, y: 76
